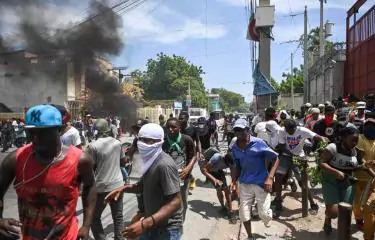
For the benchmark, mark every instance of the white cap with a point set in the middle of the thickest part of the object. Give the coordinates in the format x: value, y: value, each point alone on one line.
x: 152, y: 131
x: 308, y: 105
x: 241, y: 123
x: 315, y: 111
x: 321, y: 106
x: 361, y: 105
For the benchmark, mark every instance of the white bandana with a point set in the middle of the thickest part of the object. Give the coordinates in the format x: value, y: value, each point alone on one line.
x: 150, y: 153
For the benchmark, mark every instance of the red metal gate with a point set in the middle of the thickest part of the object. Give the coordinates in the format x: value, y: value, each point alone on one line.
x: 360, y: 52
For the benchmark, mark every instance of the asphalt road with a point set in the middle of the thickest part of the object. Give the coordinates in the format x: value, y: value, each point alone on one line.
x: 203, y: 221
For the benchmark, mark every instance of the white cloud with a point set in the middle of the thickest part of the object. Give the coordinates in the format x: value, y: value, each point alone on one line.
x: 148, y: 22
x: 285, y: 6
x: 239, y: 3
x: 167, y: 26
x: 283, y: 33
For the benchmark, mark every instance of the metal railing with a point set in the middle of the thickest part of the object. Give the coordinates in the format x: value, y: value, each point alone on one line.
x: 362, y: 30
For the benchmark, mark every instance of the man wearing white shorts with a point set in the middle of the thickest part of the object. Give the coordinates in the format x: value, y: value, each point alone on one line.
x: 252, y: 156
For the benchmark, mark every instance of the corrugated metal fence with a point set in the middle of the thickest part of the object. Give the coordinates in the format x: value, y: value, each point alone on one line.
x: 360, y: 64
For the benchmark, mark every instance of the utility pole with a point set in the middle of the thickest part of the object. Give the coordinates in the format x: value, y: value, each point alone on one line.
x: 304, y: 175
x: 305, y: 60
x: 321, y: 48
x: 291, y: 82
x: 119, y: 72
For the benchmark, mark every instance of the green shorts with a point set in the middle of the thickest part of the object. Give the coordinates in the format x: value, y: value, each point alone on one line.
x: 336, y: 191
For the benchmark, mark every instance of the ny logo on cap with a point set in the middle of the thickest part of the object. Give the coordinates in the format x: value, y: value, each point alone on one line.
x: 35, y: 116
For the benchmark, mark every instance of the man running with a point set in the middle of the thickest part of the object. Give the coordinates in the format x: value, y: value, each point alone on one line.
x: 70, y: 135
x: 160, y: 187
x: 291, y: 143
x: 212, y: 128
x: 192, y: 132
x: 107, y: 155
x: 251, y: 156
x: 181, y: 148
x: 315, y: 113
x: 213, y: 167
x: 46, y: 177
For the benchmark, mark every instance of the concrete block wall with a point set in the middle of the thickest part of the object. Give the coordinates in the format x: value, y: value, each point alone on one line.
x: 19, y: 90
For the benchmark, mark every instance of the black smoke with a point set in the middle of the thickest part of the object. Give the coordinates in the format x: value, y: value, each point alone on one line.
x: 99, y: 35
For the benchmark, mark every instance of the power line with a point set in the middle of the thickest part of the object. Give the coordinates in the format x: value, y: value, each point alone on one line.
x: 288, y: 59
x: 153, y: 10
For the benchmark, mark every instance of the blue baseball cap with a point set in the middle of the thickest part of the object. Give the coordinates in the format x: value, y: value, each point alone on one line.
x: 43, y: 116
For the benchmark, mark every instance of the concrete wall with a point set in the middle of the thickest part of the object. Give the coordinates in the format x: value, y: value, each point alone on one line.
x: 332, y: 85
x: 23, y: 84
x: 285, y: 101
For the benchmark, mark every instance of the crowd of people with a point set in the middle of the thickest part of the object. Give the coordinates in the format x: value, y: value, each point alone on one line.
x: 51, y: 172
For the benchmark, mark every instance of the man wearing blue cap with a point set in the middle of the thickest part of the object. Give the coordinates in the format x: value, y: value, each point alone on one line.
x: 252, y: 157
x: 47, y: 176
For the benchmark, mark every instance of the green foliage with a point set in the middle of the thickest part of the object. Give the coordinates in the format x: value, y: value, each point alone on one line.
x: 230, y: 101
x: 296, y: 77
x: 275, y: 85
x: 168, y: 77
x: 313, y: 41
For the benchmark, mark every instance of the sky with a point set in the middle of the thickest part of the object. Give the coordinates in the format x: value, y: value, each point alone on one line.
x: 212, y: 34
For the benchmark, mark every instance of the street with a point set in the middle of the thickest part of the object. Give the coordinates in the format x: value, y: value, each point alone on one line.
x: 204, y: 221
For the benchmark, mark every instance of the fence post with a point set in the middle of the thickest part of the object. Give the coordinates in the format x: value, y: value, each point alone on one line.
x: 344, y: 221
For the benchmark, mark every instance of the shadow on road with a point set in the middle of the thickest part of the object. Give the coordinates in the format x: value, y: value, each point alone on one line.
x: 206, y: 209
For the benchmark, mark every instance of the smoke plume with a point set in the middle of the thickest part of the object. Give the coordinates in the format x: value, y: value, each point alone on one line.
x: 98, y: 36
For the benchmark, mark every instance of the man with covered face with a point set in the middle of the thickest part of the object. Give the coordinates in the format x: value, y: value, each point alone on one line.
x: 160, y: 187
x: 327, y: 126
x: 47, y: 176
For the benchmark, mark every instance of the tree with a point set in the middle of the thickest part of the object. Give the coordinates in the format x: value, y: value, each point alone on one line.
x: 168, y: 78
x: 313, y: 41
x: 229, y: 101
x: 275, y: 85
x: 296, y: 77
x: 132, y: 90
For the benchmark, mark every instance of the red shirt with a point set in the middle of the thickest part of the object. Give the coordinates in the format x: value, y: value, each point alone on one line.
x: 47, y: 204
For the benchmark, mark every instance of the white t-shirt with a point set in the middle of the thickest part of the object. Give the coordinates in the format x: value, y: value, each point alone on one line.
x: 294, y: 143
x: 260, y: 130
x: 71, y: 137
x: 268, y: 131
x: 273, y: 130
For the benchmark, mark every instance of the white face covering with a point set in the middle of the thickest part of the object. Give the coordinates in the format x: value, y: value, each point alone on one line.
x: 149, y: 154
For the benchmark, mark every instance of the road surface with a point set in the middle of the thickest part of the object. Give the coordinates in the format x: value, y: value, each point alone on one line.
x: 203, y: 218
x: 204, y: 222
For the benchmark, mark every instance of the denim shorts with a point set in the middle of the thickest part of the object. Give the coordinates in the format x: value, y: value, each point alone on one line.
x: 162, y: 234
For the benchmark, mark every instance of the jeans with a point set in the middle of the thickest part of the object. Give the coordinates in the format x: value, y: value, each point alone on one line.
x: 184, y: 193
x: 162, y: 234
x: 117, y: 216
x: 124, y: 174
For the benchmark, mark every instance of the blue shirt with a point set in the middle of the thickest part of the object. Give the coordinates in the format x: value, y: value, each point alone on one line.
x: 252, y: 161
